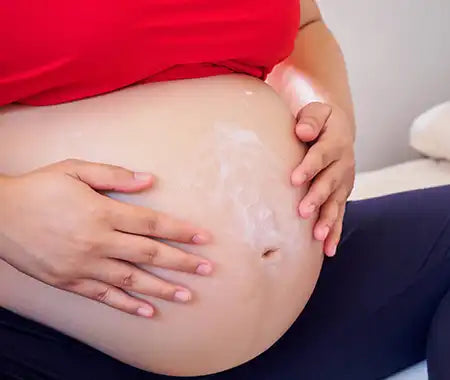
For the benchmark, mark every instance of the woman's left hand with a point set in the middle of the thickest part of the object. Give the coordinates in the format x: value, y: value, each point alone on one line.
x: 329, y: 164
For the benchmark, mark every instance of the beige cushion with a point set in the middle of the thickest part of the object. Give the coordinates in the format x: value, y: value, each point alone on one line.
x: 430, y: 132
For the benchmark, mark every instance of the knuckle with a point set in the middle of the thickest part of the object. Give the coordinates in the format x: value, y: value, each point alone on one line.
x: 127, y: 280
x: 330, y: 221
x: 340, y: 202
x: 152, y: 253
x: 64, y: 273
x: 60, y: 274
x: 88, y: 245
x: 103, y: 295
x: 69, y: 284
x: 321, y: 196
x: 312, y: 171
x: 96, y: 212
x: 56, y: 281
x: 52, y: 270
x: 307, y: 174
x: 333, y: 184
x: 333, y: 219
x: 336, y: 230
x: 152, y: 223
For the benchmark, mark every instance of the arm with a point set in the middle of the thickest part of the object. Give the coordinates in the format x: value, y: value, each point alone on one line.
x: 315, y: 70
x: 313, y: 80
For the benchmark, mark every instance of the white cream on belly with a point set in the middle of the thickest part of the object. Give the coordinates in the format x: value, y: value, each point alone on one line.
x: 231, y: 178
x: 240, y: 155
x: 233, y: 173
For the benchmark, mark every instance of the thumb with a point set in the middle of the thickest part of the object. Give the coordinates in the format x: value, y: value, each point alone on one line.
x: 311, y: 121
x: 108, y: 177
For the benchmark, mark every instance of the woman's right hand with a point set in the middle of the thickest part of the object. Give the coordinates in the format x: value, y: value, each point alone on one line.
x: 57, y: 229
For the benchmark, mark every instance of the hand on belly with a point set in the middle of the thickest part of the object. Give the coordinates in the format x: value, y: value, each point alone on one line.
x: 57, y: 229
x: 223, y: 150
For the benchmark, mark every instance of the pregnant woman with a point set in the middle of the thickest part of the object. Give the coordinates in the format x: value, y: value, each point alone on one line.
x: 162, y: 212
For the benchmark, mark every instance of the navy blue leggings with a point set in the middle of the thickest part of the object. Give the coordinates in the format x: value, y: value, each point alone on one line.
x: 382, y: 304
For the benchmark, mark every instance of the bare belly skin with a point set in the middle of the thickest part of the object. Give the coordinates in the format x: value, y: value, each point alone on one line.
x: 222, y: 149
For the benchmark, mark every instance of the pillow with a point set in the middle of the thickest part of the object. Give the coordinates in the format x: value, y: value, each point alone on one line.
x: 430, y: 132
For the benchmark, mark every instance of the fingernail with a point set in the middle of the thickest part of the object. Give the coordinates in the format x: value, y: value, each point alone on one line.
x: 142, y: 177
x: 145, y: 311
x: 204, y: 269
x: 305, y: 128
x: 201, y: 238
x: 299, y: 179
x: 332, y: 251
x: 182, y: 295
x: 323, y: 233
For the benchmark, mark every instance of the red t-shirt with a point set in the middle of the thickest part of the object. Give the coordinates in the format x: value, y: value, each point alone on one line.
x: 56, y: 51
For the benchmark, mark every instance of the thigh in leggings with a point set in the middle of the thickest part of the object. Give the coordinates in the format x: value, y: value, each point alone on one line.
x: 377, y: 306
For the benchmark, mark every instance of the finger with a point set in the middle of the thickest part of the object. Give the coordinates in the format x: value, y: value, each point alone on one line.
x: 142, y: 250
x: 321, y: 189
x: 130, y: 278
x: 318, y: 157
x: 333, y: 238
x: 329, y: 214
x: 107, y: 177
x: 144, y: 221
x: 112, y: 296
x: 311, y: 120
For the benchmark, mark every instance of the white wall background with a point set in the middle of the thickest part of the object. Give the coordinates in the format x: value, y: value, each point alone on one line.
x: 398, y: 57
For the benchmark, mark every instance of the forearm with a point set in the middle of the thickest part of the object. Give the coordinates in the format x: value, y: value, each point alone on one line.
x: 315, y: 71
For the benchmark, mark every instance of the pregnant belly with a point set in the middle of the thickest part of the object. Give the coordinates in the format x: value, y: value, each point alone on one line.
x: 222, y: 149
